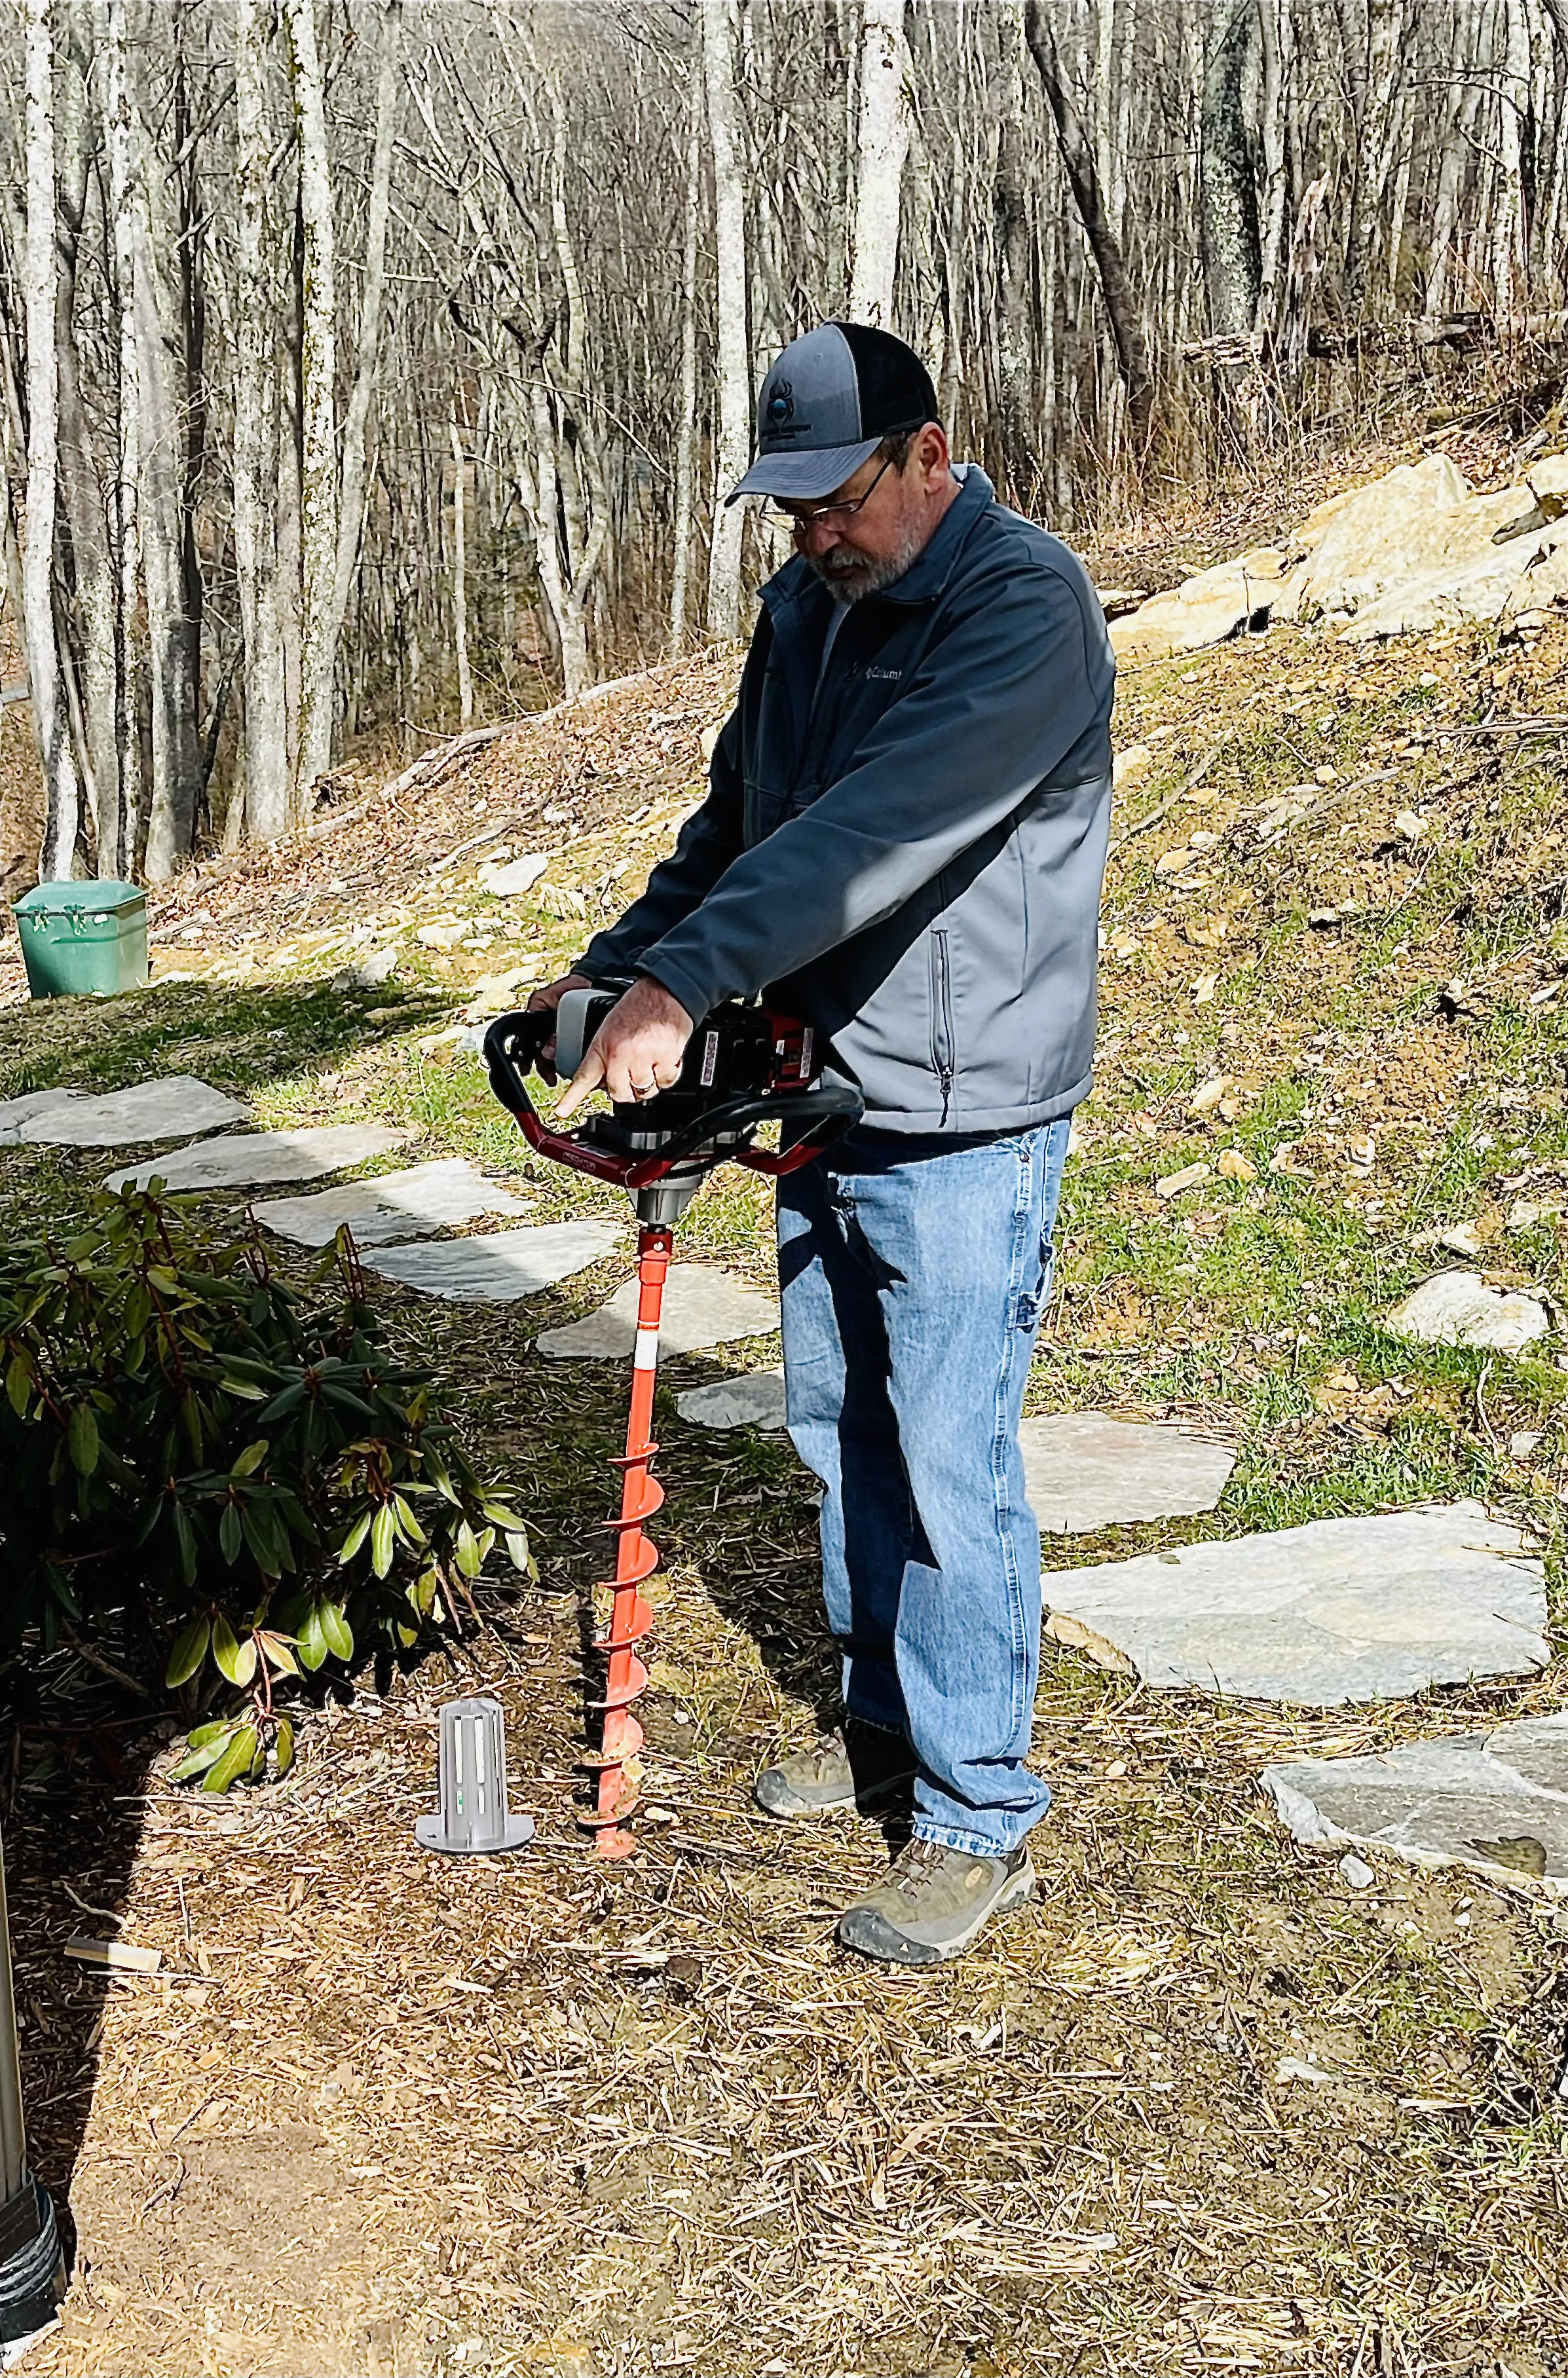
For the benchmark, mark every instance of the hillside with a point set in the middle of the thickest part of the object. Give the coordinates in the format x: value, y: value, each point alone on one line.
x: 545, y: 2118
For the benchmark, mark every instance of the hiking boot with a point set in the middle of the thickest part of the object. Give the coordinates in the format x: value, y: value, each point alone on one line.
x: 932, y: 1902
x: 859, y: 1767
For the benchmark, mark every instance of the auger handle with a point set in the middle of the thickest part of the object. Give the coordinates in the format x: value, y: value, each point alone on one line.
x: 512, y: 1047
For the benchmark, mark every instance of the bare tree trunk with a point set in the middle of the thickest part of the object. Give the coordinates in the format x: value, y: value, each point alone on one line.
x: 351, y: 511
x: 318, y: 427
x: 686, y: 432
x: 733, y: 442
x: 1458, y: 136
x: 121, y: 858
x: 266, y: 770
x: 881, y: 145
x: 459, y: 578
x: 1511, y: 228
x: 176, y: 761
x: 1277, y: 35
x: 1078, y: 156
x: 61, y: 783
x: 1232, y: 257
x: 85, y: 621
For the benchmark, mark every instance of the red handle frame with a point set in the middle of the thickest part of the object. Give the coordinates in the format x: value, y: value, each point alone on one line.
x: 512, y: 1046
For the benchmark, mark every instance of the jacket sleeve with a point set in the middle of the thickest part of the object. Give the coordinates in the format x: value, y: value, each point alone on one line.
x: 709, y: 842
x: 994, y: 706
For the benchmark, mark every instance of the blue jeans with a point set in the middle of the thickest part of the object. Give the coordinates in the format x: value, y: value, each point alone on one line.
x: 913, y: 1272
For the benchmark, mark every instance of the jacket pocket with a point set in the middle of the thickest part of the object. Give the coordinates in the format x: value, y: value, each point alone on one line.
x: 944, y: 1055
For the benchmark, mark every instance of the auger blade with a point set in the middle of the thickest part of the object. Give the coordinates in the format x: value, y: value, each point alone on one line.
x: 630, y: 1616
x: 621, y: 1695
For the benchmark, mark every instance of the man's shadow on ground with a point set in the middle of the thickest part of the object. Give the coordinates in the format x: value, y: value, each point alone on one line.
x: 70, y: 1836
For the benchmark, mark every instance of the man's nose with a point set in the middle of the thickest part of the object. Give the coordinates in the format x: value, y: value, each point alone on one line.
x: 821, y: 536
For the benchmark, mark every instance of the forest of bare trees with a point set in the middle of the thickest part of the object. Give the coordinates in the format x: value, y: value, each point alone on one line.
x: 372, y: 365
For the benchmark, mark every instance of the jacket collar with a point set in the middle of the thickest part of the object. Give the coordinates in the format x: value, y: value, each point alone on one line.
x: 794, y: 586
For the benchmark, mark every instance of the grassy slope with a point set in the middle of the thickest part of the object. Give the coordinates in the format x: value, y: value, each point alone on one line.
x: 1115, y: 2054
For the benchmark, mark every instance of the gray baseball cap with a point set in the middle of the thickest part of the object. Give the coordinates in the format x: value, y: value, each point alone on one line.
x: 827, y: 403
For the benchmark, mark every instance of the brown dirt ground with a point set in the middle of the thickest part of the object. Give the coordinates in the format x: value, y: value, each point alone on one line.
x: 385, y: 2115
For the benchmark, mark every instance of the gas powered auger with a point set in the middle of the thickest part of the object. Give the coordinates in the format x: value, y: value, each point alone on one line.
x: 744, y: 1067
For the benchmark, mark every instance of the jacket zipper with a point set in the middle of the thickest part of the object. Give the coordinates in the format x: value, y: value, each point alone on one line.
x: 943, y: 1038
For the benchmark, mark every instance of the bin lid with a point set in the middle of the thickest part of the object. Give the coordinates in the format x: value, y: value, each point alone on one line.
x: 104, y: 896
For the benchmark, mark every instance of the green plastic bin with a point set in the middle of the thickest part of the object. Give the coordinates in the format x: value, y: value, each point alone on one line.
x: 83, y: 937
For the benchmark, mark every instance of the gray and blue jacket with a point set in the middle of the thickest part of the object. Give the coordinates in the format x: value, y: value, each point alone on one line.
x: 908, y: 854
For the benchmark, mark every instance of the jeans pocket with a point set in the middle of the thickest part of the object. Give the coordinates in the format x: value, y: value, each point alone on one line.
x: 1035, y: 1292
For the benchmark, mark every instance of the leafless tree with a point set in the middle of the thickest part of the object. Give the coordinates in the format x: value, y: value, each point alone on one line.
x: 369, y: 367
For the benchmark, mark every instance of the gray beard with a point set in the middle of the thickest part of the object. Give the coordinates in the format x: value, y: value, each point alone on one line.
x: 868, y: 577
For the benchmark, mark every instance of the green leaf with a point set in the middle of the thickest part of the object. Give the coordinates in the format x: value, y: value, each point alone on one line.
x: 439, y: 1477
x: 409, y: 1526
x: 201, y: 1755
x: 278, y: 1651
x: 190, y: 1649
x: 518, y: 1552
x: 236, y: 1660
x: 243, y: 1387
x: 18, y: 1383
x: 313, y: 1638
x: 252, y: 1459
x: 217, y: 1729
x: 470, y: 1560
x: 234, y: 1761
x: 282, y: 1747
x: 355, y: 1535
x: 185, y: 1537
x: 499, y: 1514
x: 84, y: 1439
x: 337, y: 1630
x: 383, y: 1540
x: 231, y: 1536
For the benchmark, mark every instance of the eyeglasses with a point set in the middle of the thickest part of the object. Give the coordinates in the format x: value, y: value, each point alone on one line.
x: 776, y: 517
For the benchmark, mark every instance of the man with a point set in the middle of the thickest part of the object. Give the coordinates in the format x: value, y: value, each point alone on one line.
x: 903, y: 842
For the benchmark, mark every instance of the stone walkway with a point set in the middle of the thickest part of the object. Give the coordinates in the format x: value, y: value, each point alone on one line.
x: 499, y: 1269
x: 702, y: 1306
x: 1339, y: 1610
x: 391, y: 1205
x: 176, y: 1107
x: 247, y: 1160
x: 1496, y: 1802
x: 1087, y: 1470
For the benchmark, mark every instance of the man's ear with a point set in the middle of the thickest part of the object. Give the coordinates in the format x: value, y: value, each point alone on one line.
x: 932, y: 452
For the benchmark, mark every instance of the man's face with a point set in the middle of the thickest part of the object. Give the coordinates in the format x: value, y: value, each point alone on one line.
x: 857, y: 553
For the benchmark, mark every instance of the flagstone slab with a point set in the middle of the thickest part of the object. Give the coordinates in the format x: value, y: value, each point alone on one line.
x: 16, y: 1113
x: 1339, y: 1610
x: 702, y: 1306
x: 176, y: 1107
x: 393, y: 1205
x: 1086, y: 1469
x: 754, y: 1401
x: 1496, y: 1802
x: 246, y: 1159
x: 500, y: 1269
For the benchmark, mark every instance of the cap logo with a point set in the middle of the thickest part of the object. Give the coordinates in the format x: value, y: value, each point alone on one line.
x: 780, y: 405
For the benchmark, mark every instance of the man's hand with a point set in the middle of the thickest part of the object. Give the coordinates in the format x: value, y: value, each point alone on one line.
x: 636, y: 1051
x: 551, y: 996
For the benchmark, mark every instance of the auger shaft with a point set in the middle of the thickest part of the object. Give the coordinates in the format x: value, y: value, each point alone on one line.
x: 617, y: 1762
